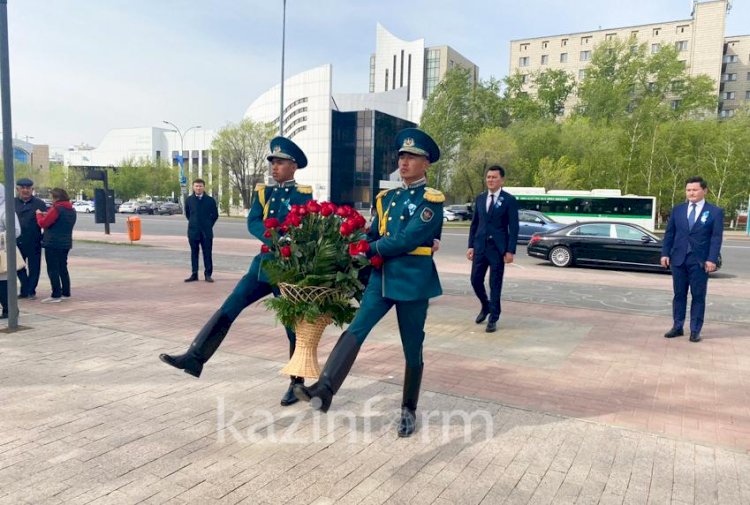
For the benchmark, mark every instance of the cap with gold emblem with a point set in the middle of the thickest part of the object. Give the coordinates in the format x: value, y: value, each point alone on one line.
x: 285, y: 149
x: 415, y: 141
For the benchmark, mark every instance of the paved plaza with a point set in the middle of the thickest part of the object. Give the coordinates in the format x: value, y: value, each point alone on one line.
x: 576, y: 399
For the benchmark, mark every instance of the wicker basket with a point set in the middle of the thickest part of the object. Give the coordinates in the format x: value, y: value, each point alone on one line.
x: 304, y: 361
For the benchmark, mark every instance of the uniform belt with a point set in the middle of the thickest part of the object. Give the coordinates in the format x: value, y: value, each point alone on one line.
x: 421, y: 251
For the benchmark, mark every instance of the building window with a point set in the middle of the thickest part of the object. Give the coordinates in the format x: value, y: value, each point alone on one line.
x: 655, y: 48
x: 728, y: 77
x: 581, y: 74
x: 634, y: 34
x: 585, y: 55
x: 677, y: 86
x: 610, y: 36
x: 523, y: 61
x: 545, y: 44
x: 372, y: 73
x: 728, y: 95
x: 676, y: 104
x: 655, y: 32
x: 726, y: 113
x: 524, y: 47
x: 432, y: 71
x: 386, y: 79
x: 681, y: 45
x: 585, y: 40
x: 682, y: 28
x: 564, y: 59
x: 563, y: 42
x: 748, y: 76
x: 524, y: 78
x: 747, y: 95
x: 731, y: 58
x: 158, y: 157
x: 651, y: 86
x: 545, y: 59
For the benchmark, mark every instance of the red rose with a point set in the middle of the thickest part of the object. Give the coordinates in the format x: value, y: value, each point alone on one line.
x: 344, y: 211
x: 313, y: 207
x: 346, y: 228
x: 376, y: 261
x: 293, y: 220
x: 284, y: 229
x: 264, y: 248
x: 353, y: 249
x: 327, y: 208
x: 271, y: 223
x: 359, y: 221
x: 267, y: 233
x: 286, y: 251
x: 363, y: 246
x: 301, y: 211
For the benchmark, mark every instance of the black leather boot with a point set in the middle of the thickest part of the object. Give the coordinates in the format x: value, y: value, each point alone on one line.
x: 412, y: 382
x: 289, y: 398
x: 203, y: 347
x: 334, y: 372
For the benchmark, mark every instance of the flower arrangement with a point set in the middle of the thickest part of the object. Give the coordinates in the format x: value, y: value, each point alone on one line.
x: 319, y: 246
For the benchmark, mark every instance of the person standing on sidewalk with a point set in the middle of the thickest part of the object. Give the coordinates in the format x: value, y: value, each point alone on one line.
x: 268, y: 202
x: 4, y: 275
x: 691, y: 247
x: 492, y: 243
x: 57, y: 223
x: 201, y: 212
x: 401, y: 237
x: 30, y: 241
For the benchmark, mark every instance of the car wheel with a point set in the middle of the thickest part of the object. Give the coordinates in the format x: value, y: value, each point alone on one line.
x: 561, y: 256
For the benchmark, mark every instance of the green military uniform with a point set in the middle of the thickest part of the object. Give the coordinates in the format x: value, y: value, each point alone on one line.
x: 406, y: 222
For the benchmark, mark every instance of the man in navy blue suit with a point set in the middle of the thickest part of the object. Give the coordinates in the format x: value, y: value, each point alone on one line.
x: 691, y: 248
x: 492, y: 243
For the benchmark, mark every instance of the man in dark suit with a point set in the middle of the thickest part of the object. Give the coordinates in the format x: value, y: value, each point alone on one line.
x: 201, y: 212
x: 691, y: 248
x: 30, y: 241
x: 492, y: 243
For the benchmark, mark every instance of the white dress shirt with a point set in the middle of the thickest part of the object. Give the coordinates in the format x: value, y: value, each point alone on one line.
x: 497, y: 196
x: 698, y: 209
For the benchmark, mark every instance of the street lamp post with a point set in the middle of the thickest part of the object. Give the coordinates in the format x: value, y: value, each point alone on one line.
x: 281, y: 97
x: 181, y: 160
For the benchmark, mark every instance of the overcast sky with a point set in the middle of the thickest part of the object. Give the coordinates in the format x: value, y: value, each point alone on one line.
x: 82, y: 67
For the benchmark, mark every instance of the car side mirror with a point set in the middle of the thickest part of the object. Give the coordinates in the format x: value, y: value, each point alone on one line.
x: 645, y: 239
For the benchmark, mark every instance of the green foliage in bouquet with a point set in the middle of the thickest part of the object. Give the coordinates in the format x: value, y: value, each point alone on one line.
x: 321, y: 245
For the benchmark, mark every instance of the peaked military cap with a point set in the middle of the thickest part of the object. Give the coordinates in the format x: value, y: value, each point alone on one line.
x: 24, y: 182
x: 415, y: 141
x: 285, y: 149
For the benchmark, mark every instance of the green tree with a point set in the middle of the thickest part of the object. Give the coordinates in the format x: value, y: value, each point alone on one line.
x: 242, y: 150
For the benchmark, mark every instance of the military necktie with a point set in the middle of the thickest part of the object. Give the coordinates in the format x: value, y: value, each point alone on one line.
x: 691, y: 216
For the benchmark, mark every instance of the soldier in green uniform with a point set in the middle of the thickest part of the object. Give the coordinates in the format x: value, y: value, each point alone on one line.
x: 269, y: 201
x: 407, y: 221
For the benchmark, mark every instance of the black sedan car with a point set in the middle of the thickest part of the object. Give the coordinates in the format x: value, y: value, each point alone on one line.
x: 532, y: 221
x: 168, y: 209
x: 602, y: 243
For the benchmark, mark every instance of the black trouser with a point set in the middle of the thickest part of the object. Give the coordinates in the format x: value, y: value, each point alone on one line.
x: 490, y: 258
x: 205, y: 243
x: 57, y: 270
x: 29, y: 276
x: 4, y: 296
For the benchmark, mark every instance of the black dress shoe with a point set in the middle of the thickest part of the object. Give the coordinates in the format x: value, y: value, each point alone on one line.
x: 289, y: 398
x: 491, y: 327
x: 192, y: 278
x: 21, y: 297
x: 209, y: 279
x: 695, y: 336
x: 482, y: 315
x: 674, y: 332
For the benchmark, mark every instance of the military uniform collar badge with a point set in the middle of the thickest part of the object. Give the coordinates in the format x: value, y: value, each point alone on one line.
x: 421, y: 182
x: 287, y: 184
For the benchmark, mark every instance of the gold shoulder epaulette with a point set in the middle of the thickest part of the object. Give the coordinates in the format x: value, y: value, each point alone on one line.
x: 382, y: 194
x: 260, y: 187
x: 304, y: 189
x: 433, y: 195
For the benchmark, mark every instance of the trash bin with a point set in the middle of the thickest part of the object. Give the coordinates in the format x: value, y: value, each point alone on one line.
x: 134, y: 228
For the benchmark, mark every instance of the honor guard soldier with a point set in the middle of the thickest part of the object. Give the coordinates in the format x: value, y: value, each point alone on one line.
x: 269, y: 201
x: 408, y: 219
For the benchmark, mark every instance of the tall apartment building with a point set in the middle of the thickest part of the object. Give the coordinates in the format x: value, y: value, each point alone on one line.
x: 700, y: 41
x: 399, y: 64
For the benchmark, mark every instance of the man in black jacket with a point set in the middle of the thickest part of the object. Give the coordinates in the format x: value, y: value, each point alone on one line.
x: 201, y: 212
x: 492, y: 243
x: 30, y: 241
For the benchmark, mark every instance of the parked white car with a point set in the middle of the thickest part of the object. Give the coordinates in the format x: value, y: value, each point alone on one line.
x: 83, y: 206
x: 129, y: 207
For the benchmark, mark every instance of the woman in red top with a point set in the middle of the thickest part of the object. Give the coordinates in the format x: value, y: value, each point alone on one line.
x: 57, y: 242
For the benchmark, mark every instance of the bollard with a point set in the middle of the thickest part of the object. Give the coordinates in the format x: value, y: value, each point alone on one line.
x: 134, y: 228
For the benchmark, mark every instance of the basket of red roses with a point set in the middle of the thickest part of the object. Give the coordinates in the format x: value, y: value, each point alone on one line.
x: 315, y: 258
